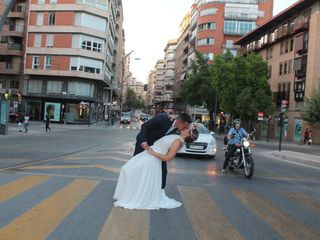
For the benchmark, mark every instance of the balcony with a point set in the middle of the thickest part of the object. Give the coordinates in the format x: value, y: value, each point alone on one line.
x: 10, y: 68
x: 300, y: 25
x: 13, y: 30
x: 240, y: 16
x: 11, y: 49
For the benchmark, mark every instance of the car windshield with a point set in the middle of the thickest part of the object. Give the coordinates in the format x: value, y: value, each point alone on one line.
x: 202, y: 129
x: 125, y: 114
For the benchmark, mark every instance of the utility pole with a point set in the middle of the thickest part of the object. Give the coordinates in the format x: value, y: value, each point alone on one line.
x: 6, y: 12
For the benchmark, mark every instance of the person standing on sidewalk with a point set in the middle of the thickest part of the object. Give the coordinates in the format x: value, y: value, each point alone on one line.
x: 26, y: 122
x: 48, y: 122
x: 306, y: 136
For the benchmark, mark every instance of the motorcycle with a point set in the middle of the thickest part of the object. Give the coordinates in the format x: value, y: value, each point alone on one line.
x: 242, y: 157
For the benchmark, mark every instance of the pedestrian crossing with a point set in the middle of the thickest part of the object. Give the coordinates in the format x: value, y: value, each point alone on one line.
x: 81, y: 208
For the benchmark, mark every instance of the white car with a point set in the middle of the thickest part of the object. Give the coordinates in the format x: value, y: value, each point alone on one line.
x: 205, y: 144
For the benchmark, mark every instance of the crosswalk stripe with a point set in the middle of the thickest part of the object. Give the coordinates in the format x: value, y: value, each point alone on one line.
x: 16, y: 187
x: 286, y: 225
x: 304, y: 200
x: 207, y: 220
x: 126, y: 225
x: 40, y: 221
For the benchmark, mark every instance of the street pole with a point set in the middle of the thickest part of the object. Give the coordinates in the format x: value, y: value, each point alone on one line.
x: 6, y: 12
x: 281, y: 129
x: 112, y: 88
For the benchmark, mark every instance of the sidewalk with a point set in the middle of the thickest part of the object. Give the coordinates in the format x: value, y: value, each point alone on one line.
x: 38, y: 128
x: 290, y: 151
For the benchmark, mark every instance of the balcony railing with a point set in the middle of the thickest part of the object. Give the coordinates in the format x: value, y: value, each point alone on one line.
x: 10, y: 68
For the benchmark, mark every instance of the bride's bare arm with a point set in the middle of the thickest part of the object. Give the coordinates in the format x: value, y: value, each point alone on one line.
x: 176, y: 144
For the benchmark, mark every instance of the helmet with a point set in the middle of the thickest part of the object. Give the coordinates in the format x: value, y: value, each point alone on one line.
x: 236, y: 121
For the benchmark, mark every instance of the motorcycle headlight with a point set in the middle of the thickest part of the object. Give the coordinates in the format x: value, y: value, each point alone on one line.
x: 246, y: 143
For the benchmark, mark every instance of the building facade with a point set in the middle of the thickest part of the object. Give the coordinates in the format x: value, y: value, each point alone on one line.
x: 289, y: 43
x: 73, y: 57
x: 211, y: 28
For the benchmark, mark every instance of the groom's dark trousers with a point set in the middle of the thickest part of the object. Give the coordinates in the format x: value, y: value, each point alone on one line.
x: 152, y: 130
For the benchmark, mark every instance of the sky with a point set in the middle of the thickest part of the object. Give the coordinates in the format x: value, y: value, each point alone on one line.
x: 150, y: 24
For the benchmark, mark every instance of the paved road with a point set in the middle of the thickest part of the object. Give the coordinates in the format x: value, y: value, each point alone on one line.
x: 59, y: 185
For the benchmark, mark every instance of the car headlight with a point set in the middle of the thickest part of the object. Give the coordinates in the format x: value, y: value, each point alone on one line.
x: 246, y: 143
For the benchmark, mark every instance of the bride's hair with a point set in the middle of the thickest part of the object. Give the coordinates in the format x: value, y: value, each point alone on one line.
x: 193, y: 134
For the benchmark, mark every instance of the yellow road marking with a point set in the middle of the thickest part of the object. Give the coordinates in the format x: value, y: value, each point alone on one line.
x: 304, y: 200
x: 14, y: 188
x: 126, y: 225
x: 104, y: 167
x: 286, y: 225
x: 41, y: 220
x: 207, y: 220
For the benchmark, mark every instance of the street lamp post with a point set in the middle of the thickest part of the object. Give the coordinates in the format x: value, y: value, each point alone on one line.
x: 112, y: 88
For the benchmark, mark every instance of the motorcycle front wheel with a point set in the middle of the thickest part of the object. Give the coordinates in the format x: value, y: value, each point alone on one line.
x: 249, y: 168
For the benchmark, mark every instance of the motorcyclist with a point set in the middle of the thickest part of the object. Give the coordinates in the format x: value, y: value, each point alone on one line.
x: 235, y: 135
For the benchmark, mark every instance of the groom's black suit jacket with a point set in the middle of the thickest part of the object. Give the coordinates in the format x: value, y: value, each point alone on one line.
x: 152, y: 130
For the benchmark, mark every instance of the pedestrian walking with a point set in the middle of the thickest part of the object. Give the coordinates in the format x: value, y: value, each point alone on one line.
x: 20, y: 126
x: 310, y: 138
x: 48, y: 122
x: 306, y: 136
x: 26, y: 122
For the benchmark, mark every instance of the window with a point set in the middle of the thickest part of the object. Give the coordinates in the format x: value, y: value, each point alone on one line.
x: 35, y: 62
x: 41, y: 1
x: 207, y: 26
x: 54, y: 87
x: 49, y: 41
x: 91, y: 46
x: 208, y: 11
x: 208, y: 56
x: 285, y: 69
x: 39, y: 19
x: 280, y: 69
x: 80, y: 89
x: 37, y: 40
x: 51, y: 18
x: 269, y: 71
x: 14, y: 84
x: 53, y: 1
x: 229, y: 44
x: 286, y: 46
x: 291, y: 44
x: 290, y: 66
x: 48, y: 63
x: 34, y: 86
x: 206, y: 41
x: 281, y: 48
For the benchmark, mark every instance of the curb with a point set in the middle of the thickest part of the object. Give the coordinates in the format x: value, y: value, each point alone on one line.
x: 288, y: 155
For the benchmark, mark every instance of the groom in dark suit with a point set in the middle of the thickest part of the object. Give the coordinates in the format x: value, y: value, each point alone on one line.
x: 157, y: 127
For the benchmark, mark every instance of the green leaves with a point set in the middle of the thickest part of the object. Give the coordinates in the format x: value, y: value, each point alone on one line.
x: 241, y: 84
x: 312, y: 108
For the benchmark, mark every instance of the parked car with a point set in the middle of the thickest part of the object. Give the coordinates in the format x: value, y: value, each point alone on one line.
x: 125, y: 117
x: 205, y: 145
x: 144, y: 117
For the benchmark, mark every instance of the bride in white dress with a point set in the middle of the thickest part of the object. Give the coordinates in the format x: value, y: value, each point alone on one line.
x: 139, y: 183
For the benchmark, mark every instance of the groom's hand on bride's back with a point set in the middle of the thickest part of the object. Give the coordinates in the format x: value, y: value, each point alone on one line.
x: 144, y: 145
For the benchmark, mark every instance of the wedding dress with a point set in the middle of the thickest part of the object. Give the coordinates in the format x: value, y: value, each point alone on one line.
x: 139, y: 183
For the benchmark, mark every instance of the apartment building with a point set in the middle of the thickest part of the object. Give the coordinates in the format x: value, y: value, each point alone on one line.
x: 290, y: 43
x: 73, y: 57
x: 12, y: 50
x: 212, y: 27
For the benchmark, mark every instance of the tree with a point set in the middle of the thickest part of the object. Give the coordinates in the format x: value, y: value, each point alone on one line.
x: 312, y: 108
x: 198, y: 88
x: 242, y: 84
x: 132, y: 101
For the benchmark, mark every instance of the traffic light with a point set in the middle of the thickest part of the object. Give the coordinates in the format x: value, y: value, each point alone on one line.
x: 284, y: 105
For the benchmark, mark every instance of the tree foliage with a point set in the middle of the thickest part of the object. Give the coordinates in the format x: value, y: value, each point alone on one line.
x: 132, y: 101
x: 242, y: 85
x: 198, y: 89
x: 312, y: 108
